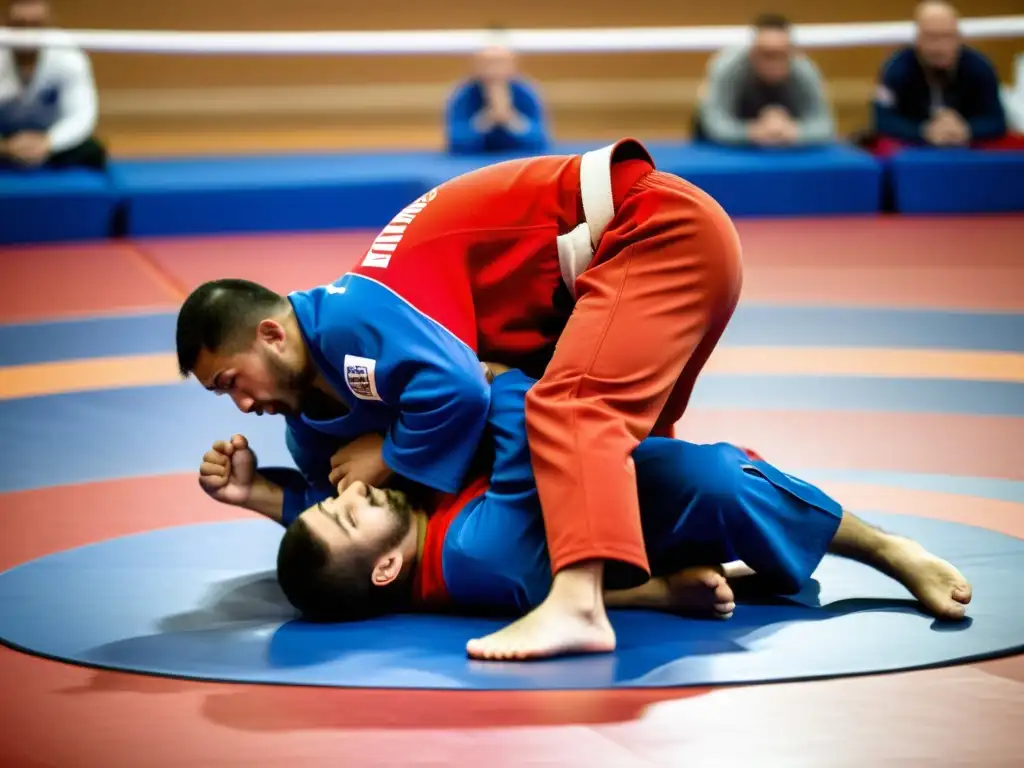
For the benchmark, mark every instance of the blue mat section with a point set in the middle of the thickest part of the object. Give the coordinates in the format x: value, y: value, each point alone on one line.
x: 53, y: 206
x: 264, y: 194
x: 348, y: 190
x: 201, y: 602
x: 752, y: 325
x: 813, y: 181
x: 310, y: 192
x: 182, y: 419
x: 78, y: 426
x: 958, y: 181
x: 777, y: 326
x: 83, y: 338
x: 851, y: 393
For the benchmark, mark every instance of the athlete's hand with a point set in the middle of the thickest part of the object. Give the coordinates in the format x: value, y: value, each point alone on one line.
x: 362, y: 460
x: 493, y: 371
x: 228, y: 470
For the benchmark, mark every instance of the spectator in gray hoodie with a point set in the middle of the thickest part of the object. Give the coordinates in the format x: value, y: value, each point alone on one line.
x: 765, y: 93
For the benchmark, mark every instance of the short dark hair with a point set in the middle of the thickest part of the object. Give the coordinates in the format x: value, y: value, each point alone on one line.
x: 323, y: 591
x: 216, y: 312
x: 772, y: 21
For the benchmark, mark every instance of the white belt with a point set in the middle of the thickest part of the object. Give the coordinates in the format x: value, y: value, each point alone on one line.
x: 576, y: 248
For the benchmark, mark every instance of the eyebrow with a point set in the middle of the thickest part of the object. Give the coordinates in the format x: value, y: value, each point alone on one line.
x: 320, y: 506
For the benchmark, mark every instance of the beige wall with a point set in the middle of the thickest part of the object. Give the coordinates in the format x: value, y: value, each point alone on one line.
x: 197, y: 101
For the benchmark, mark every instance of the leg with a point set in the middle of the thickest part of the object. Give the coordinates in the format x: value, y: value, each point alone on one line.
x: 89, y: 154
x: 778, y: 526
x: 941, y: 589
x: 702, y: 589
x: 667, y: 276
x: 677, y: 401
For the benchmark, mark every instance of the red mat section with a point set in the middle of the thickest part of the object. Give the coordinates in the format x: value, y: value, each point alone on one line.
x: 281, y: 262
x: 967, y: 263
x: 970, y: 263
x: 70, y: 516
x: 53, y: 282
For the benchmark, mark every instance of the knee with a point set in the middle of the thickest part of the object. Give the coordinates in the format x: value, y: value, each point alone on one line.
x: 720, y: 480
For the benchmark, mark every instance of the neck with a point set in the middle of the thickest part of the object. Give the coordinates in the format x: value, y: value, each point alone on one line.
x: 310, y: 373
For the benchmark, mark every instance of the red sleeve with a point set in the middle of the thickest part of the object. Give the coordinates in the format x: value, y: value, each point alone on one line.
x: 428, y: 584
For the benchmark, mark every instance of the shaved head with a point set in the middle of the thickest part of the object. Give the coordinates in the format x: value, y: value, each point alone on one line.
x: 936, y: 12
x: 495, y: 63
x: 938, y: 34
x: 28, y: 13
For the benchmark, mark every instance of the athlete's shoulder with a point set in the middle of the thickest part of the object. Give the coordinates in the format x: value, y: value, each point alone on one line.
x: 353, y: 313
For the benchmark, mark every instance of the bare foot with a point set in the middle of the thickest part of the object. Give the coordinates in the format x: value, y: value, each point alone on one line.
x: 571, y: 620
x: 701, y: 588
x: 941, y: 589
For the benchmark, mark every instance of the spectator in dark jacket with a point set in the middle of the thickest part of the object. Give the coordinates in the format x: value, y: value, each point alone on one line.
x: 939, y: 92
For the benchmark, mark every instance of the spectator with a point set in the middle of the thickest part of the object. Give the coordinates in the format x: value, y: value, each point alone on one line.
x: 938, y: 92
x: 1013, y: 98
x: 765, y: 93
x: 48, y: 102
x: 496, y: 110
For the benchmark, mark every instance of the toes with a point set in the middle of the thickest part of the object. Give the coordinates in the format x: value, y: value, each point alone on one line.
x: 723, y: 593
x: 708, y: 578
x: 483, y: 648
x: 962, y: 594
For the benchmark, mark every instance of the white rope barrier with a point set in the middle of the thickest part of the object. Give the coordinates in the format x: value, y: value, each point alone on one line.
x: 620, y: 40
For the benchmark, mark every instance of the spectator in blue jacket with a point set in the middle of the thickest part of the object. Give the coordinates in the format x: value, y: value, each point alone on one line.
x: 938, y: 92
x: 496, y: 110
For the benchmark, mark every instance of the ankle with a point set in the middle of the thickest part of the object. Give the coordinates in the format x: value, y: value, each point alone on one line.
x: 580, y: 588
x: 890, y: 553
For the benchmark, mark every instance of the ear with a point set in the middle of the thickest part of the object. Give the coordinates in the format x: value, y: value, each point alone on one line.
x: 387, y: 568
x: 270, y: 332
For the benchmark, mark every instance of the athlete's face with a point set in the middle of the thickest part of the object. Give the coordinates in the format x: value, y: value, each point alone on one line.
x: 262, y: 377
x: 362, y: 522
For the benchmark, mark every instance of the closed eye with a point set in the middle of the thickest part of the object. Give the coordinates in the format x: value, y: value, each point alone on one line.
x: 344, y: 527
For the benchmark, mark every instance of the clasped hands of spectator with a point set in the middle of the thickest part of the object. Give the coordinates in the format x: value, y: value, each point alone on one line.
x: 498, y: 109
x: 947, y: 129
x: 29, y: 148
x: 773, y: 127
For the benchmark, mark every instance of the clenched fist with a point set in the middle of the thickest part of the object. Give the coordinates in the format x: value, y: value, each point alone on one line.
x: 228, y: 470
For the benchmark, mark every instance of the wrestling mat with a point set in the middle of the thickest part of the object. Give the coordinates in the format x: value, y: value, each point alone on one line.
x: 201, y: 602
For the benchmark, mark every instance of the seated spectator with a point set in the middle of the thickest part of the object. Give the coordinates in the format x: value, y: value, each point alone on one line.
x: 765, y: 94
x: 495, y: 111
x: 938, y: 92
x: 1013, y: 99
x: 48, y: 102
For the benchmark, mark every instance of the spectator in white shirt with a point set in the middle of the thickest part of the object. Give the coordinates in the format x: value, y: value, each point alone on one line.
x: 48, y: 101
